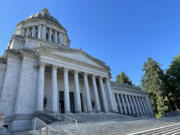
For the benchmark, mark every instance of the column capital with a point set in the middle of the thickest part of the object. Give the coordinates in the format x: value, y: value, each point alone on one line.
x: 85, y: 74
x: 93, y: 76
x: 76, y: 72
x: 54, y: 67
x: 42, y: 64
x: 66, y: 69
x: 100, y: 77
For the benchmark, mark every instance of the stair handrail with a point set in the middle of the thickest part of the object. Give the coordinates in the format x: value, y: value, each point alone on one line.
x: 49, y: 112
x: 42, y: 123
x: 75, y: 121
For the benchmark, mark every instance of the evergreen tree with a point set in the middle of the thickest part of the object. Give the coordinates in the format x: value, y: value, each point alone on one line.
x: 173, y: 84
x: 152, y: 82
x: 123, y: 78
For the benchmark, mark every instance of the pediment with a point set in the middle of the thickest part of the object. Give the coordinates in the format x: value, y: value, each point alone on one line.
x: 77, y: 56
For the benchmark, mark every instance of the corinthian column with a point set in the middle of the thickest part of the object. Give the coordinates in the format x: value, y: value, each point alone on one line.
x: 77, y: 93
x: 138, y: 105
x: 124, y: 104
x: 44, y: 32
x: 40, y: 32
x: 33, y: 31
x: 103, y: 95
x: 110, y: 95
x: 55, y: 37
x: 66, y: 92
x: 135, y: 105
x: 132, y: 105
x: 119, y: 104
x: 54, y: 89
x: 40, y: 91
x: 98, y: 108
x: 27, y: 31
x: 88, y: 98
x: 141, y: 104
x: 50, y: 32
x: 128, y: 105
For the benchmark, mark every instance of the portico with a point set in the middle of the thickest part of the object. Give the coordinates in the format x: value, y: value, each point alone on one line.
x: 91, y: 92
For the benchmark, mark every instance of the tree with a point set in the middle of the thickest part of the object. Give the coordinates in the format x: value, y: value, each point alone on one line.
x: 153, y: 83
x: 173, y: 84
x: 123, y: 78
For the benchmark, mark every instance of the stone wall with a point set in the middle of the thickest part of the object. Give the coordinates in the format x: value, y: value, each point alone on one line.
x: 2, y: 75
x: 8, y: 93
x: 26, y: 91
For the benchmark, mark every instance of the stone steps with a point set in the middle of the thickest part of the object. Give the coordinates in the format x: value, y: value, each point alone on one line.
x: 110, y: 124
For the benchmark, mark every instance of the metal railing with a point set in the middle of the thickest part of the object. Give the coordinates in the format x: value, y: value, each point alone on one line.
x: 59, y: 116
x: 45, y: 129
x: 71, y: 119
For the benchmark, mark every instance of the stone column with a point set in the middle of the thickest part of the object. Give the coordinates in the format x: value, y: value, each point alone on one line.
x: 103, y: 95
x: 55, y: 37
x: 44, y: 32
x: 33, y: 31
x: 119, y: 104
x: 40, y: 32
x: 66, y: 92
x: 27, y: 31
x: 50, y: 33
x: 54, y: 89
x: 124, y: 104
x: 135, y: 105
x: 88, y: 98
x: 138, y: 105
x: 98, y: 108
x: 21, y: 31
x: 84, y: 100
x: 142, y: 107
x: 115, y: 103
x: 110, y: 95
x: 132, y: 105
x: 40, y: 91
x: 61, y: 38
x: 77, y: 93
x: 128, y: 105
x: 145, y: 105
x: 149, y: 105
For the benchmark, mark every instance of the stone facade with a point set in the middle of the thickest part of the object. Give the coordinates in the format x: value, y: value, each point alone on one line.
x: 39, y: 71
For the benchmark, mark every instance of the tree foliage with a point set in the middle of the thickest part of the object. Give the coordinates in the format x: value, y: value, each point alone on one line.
x: 123, y: 78
x: 172, y: 84
x: 153, y: 83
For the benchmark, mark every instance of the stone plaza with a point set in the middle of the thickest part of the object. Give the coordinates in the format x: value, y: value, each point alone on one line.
x: 39, y: 72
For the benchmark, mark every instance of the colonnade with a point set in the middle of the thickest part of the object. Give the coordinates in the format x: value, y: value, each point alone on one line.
x: 45, y: 33
x: 78, y: 108
x: 133, y: 104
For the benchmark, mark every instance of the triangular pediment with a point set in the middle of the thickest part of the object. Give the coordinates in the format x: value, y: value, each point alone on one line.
x: 79, y: 56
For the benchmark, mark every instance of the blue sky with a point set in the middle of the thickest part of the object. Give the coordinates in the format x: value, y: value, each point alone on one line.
x: 123, y: 33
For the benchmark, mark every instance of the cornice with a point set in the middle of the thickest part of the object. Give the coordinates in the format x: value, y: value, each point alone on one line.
x: 54, y: 56
x: 37, y: 19
x: 125, y: 87
x: 78, y: 51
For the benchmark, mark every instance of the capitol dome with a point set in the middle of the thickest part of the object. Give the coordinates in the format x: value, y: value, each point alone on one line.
x: 44, y: 27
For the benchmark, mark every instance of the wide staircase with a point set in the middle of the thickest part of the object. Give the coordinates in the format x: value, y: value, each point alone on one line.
x: 94, y: 124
